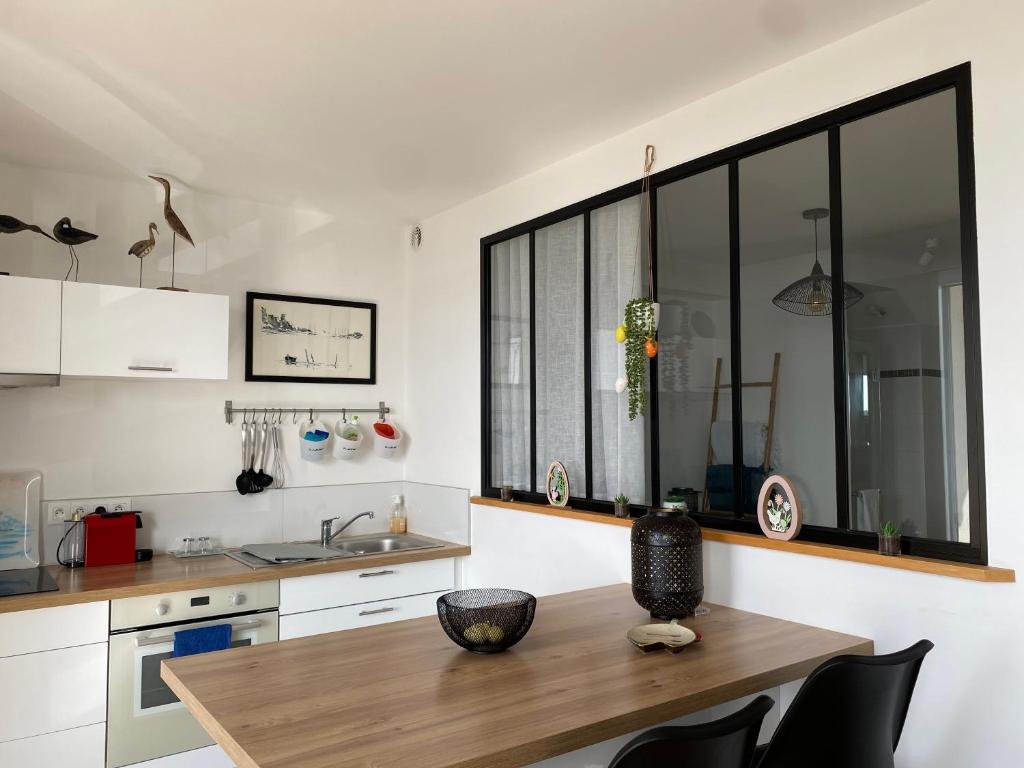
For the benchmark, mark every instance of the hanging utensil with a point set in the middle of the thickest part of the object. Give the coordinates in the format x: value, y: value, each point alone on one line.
x: 242, y: 481
x: 262, y: 477
x: 253, y: 477
x: 278, y: 469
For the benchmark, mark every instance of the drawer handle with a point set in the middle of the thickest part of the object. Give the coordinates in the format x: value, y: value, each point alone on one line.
x: 376, y: 610
x: 160, y: 368
x: 375, y: 573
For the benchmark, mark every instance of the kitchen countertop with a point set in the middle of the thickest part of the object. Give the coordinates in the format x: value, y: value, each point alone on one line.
x: 166, y: 573
x: 403, y: 694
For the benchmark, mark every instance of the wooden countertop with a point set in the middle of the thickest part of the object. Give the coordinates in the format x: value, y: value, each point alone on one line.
x: 171, y: 574
x: 403, y: 694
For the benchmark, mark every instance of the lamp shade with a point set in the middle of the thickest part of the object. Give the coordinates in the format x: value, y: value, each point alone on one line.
x: 812, y: 295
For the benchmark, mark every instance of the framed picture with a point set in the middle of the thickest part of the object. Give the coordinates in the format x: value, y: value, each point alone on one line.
x: 306, y: 339
x: 778, y: 509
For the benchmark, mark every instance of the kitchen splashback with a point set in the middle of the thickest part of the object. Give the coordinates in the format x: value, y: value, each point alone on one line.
x: 288, y: 514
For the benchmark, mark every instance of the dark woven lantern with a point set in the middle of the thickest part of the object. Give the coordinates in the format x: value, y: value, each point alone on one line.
x: 668, y: 564
x: 812, y: 295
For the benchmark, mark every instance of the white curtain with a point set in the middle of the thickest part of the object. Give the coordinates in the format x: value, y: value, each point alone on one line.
x: 510, y: 363
x: 619, y: 445
x: 560, y: 364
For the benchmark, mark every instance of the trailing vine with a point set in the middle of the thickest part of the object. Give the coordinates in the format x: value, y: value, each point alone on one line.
x: 639, y: 324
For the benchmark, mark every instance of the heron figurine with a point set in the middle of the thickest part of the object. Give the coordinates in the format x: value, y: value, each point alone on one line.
x: 9, y: 225
x: 143, y: 248
x: 177, y: 228
x: 70, y: 236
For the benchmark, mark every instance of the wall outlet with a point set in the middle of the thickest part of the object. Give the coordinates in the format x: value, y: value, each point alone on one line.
x: 58, y: 512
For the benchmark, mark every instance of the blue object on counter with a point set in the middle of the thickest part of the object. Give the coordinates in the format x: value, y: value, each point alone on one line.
x: 189, y: 642
x: 316, y: 437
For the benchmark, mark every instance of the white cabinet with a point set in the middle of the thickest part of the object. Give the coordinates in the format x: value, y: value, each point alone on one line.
x: 115, y: 331
x: 362, y: 615
x: 330, y: 590
x: 53, y: 691
x: 46, y: 629
x: 74, y: 748
x: 29, y: 325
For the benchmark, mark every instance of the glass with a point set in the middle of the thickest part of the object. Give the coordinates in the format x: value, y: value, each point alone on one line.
x: 694, y: 336
x: 510, y: 363
x: 560, y: 372
x: 618, y: 272
x: 153, y: 691
x: 905, y: 340
x: 778, y: 189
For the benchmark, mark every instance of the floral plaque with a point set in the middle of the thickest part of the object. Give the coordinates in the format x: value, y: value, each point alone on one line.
x: 778, y: 509
x: 558, y: 484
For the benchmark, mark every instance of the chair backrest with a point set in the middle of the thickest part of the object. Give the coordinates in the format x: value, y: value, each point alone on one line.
x: 725, y: 743
x: 849, y: 713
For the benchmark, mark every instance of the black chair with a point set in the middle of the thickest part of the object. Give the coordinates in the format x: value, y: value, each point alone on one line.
x: 849, y: 713
x: 725, y: 743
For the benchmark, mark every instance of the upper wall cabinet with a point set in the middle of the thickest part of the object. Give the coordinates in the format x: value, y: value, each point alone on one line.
x: 114, y: 331
x: 29, y: 326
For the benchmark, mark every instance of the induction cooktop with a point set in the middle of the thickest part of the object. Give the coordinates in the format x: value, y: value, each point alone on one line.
x: 26, y: 581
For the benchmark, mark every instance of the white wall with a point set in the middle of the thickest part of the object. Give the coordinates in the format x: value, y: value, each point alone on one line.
x: 101, y: 438
x: 964, y: 713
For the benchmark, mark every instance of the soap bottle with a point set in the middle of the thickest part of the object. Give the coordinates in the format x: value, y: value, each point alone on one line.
x: 397, y: 519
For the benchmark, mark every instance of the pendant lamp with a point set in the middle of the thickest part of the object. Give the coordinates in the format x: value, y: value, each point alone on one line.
x: 812, y: 295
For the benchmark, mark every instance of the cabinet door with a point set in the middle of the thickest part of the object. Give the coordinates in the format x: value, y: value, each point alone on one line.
x: 75, y: 748
x: 330, y: 590
x: 47, y: 629
x: 353, y: 616
x: 114, y: 331
x: 29, y: 325
x: 52, y: 691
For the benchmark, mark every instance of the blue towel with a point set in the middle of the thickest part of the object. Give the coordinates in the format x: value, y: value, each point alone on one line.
x: 189, y: 642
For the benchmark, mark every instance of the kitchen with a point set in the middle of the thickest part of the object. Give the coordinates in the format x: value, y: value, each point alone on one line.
x: 324, y: 208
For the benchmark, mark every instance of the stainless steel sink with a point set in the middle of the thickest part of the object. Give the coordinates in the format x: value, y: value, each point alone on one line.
x: 355, y: 546
x: 382, y: 542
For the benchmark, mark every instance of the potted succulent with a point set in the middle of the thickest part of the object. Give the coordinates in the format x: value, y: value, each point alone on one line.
x: 889, y: 539
x: 622, y: 506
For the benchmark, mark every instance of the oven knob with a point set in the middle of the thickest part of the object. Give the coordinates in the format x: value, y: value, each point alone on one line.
x: 162, y: 609
x: 238, y: 599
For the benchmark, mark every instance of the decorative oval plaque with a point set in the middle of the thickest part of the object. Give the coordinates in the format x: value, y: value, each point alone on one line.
x: 778, y: 509
x: 558, y: 485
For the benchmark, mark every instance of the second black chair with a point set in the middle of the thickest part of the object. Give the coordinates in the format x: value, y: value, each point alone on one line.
x: 725, y: 743
x: 849, y: 713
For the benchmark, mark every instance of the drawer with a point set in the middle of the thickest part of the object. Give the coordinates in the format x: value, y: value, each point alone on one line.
x: 52, y: 691
x: 363, y: 615
x: 75, y: 748
x: 46, y: 629
x: 330, y: 590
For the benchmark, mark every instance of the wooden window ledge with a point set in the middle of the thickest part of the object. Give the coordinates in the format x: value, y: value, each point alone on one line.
x: 954, y: 570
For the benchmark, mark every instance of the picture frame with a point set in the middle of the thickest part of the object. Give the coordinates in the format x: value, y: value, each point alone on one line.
x: 309, y: 340
x: 778, y: 509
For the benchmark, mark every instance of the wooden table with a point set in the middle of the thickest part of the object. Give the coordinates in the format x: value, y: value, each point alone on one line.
x: 402, y: 695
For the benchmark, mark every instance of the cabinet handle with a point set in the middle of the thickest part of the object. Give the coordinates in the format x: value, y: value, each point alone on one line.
x: 375, y: 573
x: 376, y: 610
x: 161, y: 368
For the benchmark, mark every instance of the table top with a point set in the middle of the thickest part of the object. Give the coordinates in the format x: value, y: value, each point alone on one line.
x: 403, y: 694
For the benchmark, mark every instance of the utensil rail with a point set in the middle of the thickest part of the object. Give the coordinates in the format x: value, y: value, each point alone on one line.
x: 230, y: 410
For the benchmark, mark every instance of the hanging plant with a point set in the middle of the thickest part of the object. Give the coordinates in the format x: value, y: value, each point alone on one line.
x: 640, y: 325
x: 640, y: 331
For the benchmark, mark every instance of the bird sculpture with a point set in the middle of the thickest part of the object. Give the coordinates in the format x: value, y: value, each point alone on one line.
x: 65, y: 233
x: 143, y: 248
x: 177, y: 228
x: 9, y: 225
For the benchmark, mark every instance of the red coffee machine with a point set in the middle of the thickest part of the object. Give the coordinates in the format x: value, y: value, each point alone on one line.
x: 110, y: 537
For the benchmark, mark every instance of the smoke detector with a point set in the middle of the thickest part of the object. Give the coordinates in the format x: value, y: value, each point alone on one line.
x: 416, y: 236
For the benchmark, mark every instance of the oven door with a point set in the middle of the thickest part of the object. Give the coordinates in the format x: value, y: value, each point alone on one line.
x: 145, y: 720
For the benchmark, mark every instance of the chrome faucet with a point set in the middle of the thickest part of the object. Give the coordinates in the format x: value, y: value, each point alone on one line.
x: 326, y: 526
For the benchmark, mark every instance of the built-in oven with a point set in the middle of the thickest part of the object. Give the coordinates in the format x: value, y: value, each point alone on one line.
x: 145, y: 720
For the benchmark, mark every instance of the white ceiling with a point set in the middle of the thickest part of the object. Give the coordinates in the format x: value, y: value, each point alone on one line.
x: 405, y: 106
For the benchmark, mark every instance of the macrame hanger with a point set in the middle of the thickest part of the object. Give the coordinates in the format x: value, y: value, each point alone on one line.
x: 644, y: 223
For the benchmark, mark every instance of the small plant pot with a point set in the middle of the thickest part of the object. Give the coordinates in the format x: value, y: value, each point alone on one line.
x: 621, y: 510
x: 314, y: 450
x: 385, y: 443
x: 889, y: 545
x: 345, y: 448
x: 506, y: 493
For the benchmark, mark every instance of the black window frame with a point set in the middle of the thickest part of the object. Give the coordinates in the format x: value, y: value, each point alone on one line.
x: 957, y: 78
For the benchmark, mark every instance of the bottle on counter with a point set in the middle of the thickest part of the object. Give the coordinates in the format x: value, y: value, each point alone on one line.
x: 71, y: 549
x: 397, y: 520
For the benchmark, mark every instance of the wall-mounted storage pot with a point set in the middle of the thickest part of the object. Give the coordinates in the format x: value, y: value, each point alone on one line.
x: 121, y: 332
x: 387, y: 439
x: 348, y: 439
x: 29, y: 331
